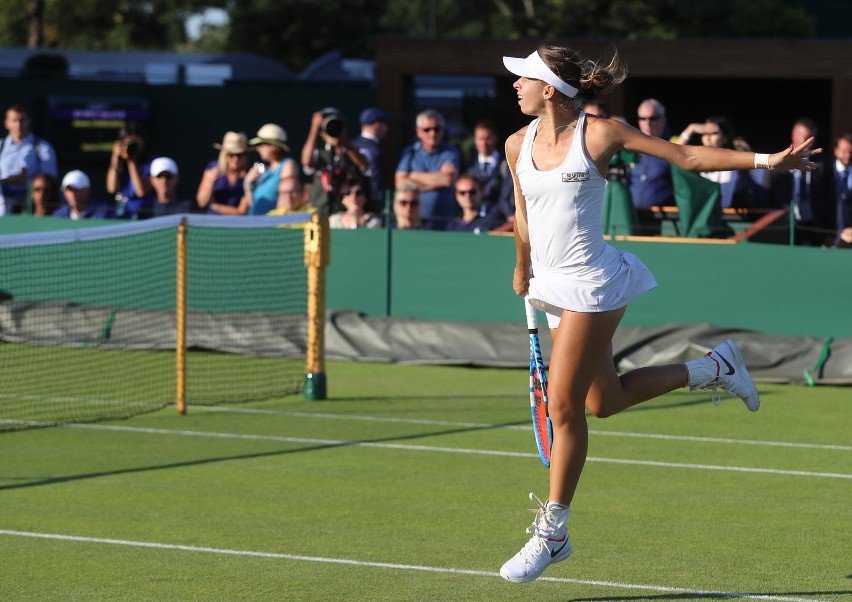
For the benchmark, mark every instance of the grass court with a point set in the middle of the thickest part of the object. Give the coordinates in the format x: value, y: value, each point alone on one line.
x: 410, y: 484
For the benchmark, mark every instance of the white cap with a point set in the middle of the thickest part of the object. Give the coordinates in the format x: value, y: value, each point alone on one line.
x: 163, y: 164
x: 534, y: 67
x: 76, y: 179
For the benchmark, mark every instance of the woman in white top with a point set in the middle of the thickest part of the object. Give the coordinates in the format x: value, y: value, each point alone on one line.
x: 582, y: 284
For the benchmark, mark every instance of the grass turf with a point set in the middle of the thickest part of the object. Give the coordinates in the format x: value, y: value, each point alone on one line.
x: 650, y: 512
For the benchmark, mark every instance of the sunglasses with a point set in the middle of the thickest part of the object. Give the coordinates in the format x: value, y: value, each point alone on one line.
x: 651, y: 118
x: 408, y: 203
x: 469, y: 191
x: 432, y: 129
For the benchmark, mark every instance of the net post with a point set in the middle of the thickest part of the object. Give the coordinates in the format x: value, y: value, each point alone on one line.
x: 317, y: 254
x: 180, y: 320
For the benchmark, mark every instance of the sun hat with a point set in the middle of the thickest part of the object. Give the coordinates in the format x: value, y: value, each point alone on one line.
x: 162, y: 165
x: 533, y: 67
x: 271, y: 134
x: 75, y: 179
x: 233, y: 143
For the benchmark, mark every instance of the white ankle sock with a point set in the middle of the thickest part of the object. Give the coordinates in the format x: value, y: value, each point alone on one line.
x: 558, y: 513
x: 702, y: 371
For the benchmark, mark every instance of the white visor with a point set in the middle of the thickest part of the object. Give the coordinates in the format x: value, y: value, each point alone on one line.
x: 534, y: 68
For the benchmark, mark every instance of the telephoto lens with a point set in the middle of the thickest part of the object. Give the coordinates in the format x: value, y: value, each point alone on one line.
x: 332, y: 125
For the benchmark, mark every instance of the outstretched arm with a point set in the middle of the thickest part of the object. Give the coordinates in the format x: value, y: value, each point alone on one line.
x: 704, y: 158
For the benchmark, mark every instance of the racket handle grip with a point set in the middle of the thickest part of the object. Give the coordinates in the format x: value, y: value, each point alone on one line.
x: 532, y: 320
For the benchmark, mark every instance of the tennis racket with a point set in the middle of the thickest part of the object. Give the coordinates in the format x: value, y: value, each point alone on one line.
x: 538, y: 390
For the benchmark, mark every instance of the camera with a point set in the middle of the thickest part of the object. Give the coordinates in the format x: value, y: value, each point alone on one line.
x: 332, y: 123
x: 134, y: 149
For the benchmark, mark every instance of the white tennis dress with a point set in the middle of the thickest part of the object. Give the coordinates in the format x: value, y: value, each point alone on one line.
x: 573, y: 266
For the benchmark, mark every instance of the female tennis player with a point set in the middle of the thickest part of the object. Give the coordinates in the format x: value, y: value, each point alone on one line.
x: 582, y: 284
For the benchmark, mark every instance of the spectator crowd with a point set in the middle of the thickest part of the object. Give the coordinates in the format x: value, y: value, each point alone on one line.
x: 435, y: 185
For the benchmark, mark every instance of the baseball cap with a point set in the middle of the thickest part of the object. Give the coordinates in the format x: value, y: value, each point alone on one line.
x: 75, y: 179
x: 372, y: 115
x: 163, y: 164
x: 271, y: 134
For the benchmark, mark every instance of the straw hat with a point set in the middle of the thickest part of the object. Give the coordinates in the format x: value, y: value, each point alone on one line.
x: 271, y: 134
x: 234, y: 143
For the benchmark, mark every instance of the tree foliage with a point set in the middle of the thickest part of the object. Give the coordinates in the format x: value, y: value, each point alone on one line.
x: 296, y: 32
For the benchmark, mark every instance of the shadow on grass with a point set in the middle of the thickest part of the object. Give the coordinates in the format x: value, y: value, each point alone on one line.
x: 707, y: 596
x: 213, y: 460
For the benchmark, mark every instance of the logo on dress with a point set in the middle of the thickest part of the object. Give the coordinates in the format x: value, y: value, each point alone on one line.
x: 575, y: 176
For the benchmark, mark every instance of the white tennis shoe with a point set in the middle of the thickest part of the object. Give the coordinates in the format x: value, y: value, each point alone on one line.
x: 550, y: 543
x: 723, y: 368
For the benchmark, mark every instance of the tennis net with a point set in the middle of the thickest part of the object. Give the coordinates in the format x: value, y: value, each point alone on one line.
x: 108, y: 322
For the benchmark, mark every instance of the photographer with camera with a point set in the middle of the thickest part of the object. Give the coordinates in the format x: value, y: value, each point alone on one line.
x: 128, y: 174
x: 330, y: 159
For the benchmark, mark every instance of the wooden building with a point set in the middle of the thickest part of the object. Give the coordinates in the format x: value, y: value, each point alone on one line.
x: 763, y: 86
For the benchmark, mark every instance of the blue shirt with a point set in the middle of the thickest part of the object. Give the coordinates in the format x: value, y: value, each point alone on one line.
x: 34, y: 154
x: 436, y: 206
x: 225, y: 193
x: 372, y: 152
x: 480, y: 224
x: 650, y: 182
x: 135, y: 205
x: 265, y: 191
x: 93, y: 210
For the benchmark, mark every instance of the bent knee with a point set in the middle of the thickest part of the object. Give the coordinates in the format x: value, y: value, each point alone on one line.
x: 602, y: 410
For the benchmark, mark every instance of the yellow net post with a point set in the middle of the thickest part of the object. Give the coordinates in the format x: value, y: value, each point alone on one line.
x: 180, y: 319
x: 317, y: 253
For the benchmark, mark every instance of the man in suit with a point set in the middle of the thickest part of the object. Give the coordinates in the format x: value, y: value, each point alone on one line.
x: 491, y: 172
x: 843, y: 184
x: 809, y: 195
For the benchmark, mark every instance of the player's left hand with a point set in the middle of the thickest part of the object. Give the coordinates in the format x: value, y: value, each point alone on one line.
x: 798, y: 157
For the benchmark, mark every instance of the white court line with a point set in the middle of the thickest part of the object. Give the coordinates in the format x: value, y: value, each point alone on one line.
x: 378, y: 419
x: 452, y: 450
x: 388, y: 565
x: 517, y: 427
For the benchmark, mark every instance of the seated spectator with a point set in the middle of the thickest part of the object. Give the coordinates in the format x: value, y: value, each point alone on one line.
x: 807, y: 194
x: 263, y: 181
x: 650, y: 178
x: 469, y: 198
x: 842, y: 172
x: 221, y: 187
x: 330, y: 159
x: 164, y: 180
x: 128, y: 176
x: 76, y: 187
x: 406, y: 207
x: 739, y: 188
x: 291, y: 198
x: 44, y: 198
x: 490, y: 170
x: 432, y: 165
x: 354, y: 196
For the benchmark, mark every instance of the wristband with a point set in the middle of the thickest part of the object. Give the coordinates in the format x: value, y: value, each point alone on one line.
x: 761, y: 161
